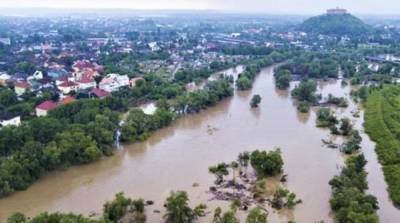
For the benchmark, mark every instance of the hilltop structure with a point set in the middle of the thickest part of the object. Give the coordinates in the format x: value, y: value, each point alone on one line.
x: 336, y: 11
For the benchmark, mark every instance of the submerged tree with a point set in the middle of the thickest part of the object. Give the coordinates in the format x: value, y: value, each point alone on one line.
x: 256, y: 215
x: 255, y: 101
x: 283, y: 198
x: 178, y: 210
x: 227, y: 217
x: 220, y: 170
x: 266, y: 163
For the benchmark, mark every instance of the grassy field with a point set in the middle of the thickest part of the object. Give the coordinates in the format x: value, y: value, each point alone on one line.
x: 382, y: 123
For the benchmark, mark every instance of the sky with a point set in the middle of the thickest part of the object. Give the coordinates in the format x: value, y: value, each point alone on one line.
x: 257, y: 6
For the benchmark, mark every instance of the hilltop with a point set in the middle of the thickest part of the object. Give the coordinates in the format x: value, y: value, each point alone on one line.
x: 335, y: 22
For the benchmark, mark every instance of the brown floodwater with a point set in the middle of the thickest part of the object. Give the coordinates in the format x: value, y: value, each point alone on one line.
x: 176, y: 157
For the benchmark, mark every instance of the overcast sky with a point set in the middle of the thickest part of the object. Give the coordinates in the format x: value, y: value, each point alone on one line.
x: 267, y: 6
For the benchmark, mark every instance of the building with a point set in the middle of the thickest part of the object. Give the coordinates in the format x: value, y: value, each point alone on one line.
x: 113, y: 82
x: 8, y: 119
x: 67, y: 86
x: 45, y: 107
x: 66, y: 100
x: 4, y: 77
x: 21, y: 87
x: 98, y: 93
x: 5, y: 41
x: 86, y: 83
x: 336, y: 11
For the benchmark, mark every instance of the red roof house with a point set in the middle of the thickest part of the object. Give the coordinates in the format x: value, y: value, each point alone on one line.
x: 99, y: 93
x: 44, y: 107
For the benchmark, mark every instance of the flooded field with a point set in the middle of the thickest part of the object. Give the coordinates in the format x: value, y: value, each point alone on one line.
x: 176, y: 157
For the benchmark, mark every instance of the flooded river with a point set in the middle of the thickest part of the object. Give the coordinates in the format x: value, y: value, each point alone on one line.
x: 176, y: 157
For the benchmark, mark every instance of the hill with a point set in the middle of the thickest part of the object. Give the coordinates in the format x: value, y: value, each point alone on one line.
x: 342, y: 24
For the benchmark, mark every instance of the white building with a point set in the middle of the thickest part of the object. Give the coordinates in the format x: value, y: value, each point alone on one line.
x: 153, y: 46
x: 4, y: 77
x: 8, y: 120
x: 112, y: 82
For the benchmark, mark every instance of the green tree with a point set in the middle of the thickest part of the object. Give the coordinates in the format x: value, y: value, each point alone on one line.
x: 8, y: 98
x: 178, y: 210
x: 116, y: 209
x: 266, y: 163
x: 255, y: 101
x: 243, y: 83
x: 256, y: 215
x: 227, y: 217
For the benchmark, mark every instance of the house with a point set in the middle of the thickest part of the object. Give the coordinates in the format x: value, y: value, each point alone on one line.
x: 113, y: 82
x: 98, y: 93
x: 4, y: 77
x: 5, y: 41
x: 45, y: 107
x: 38, y: 75
x: 153, y: 46
x: 21, y: 87
x: 86, y: 82
x: 66, y: 100
x: 64, y: 78
x: 9, y: 119
x: 67, y: 86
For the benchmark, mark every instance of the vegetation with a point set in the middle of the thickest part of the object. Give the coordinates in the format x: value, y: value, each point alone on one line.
x: 349, y: 201
x: 283, y: 78
x: 353, y: 143
x: 227, y: 217
x: 266, y: 163
x: 256, y: 215
x: 178, y: 210
x: 255, y: 101
x: 117, y: 209
x: 335, y: 25
x: 338, y: 101
x: 283, y: 198
x: 382, y: 125
x: 326, y: 118
x: 219, y: 170
x: 311, y: 65
x: 305, y: 94
x: 193, y: 102
x: 121, y: 208
x: 138, y: 125
x: 76, y: 133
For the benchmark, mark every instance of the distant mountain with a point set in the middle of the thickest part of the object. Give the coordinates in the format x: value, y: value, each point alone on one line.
x: 335, y: 24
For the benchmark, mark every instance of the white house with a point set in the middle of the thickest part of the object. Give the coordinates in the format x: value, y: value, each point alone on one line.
x: 44, y: 107
x: 68, y: 86
x: 153, y: 46
x: 112, y: 82
x: 9, y: 119
x: 86, y: 83
x: 4, y: 77
x: 38, y: 75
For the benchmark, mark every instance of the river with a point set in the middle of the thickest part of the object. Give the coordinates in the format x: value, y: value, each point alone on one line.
x: 176, y: 157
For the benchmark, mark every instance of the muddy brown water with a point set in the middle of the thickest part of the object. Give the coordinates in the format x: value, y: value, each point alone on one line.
x: 176, y: 157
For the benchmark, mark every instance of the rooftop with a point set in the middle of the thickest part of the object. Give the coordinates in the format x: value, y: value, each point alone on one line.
x: 47, y: 105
